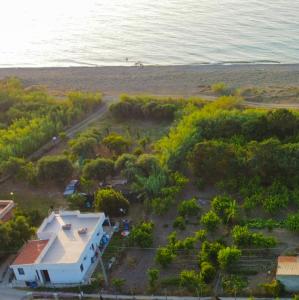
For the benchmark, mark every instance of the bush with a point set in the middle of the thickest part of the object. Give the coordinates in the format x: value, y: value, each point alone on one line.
x: 189, y: 208
x: 118, y: 283
x: 210, y: 220
x: 190, y: 279
x: 228, y: 256
x: 153, y: 276
x: 76, y: 201
x: 220, y: 88
x: 243, y: 237
x: 292, y: 222
x: 57, y: 168
x: 274, y: 288
x: 164, y: 256
x: 142, y: 235
x: 111, y: 202
x: 209, y: 252
x: 200, y: 235
x: 98, y: 169
x: 124, y: 160
x: 83, y: 146
x: 234, y: 284
x: 207, y: 272
x: 180, y: 223
x: 225, y: 207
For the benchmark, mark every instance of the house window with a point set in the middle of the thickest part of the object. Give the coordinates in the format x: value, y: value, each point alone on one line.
x: 81, y: 268
x: 21, y: 271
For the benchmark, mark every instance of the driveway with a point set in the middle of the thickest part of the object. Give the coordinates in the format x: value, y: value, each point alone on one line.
x: 12, y: 294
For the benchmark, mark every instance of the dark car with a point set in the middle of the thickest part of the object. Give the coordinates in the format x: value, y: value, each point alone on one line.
x: 71, y: 188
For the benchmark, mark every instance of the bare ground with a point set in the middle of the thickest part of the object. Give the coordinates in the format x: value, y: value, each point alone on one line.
x: 159, y: 80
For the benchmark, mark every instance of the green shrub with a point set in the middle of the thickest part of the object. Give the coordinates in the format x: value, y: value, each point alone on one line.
x: 207, y: 272
x: 179, y: 223
x: 189, y: 208
x: 164, y: 256
x: 98, y: 169
x: 57, y: 168
x: 274, y: 288
x: 153, y: 276
x: 111, y: 202
x: 142, y: 234
x: 210, y: 220
x: 227, y: 257
x: 292, y: 222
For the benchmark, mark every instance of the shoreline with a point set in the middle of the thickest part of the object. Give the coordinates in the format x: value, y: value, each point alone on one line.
x: 180, y: 80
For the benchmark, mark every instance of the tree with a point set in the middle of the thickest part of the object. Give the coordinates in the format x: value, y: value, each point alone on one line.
x: 210, y: 220
x: 153, y: 276
x: 20, y: 231
x: 142, y: 235
x: 57, y: 168
x: 228, y: 256
x: 83, y: 146
x: 116, y: 143
x: 200, y: 235
x: 111, y: 202
x: 189, y: 208
x: 207, y: 272
x: 77, y: 201
x: 98, y: 169
x: 164, y: 256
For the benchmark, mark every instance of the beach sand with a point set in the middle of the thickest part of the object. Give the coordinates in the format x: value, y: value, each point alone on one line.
x: 159, y: 80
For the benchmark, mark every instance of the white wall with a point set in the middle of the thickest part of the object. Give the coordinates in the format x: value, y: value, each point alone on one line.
x: 64, y: 273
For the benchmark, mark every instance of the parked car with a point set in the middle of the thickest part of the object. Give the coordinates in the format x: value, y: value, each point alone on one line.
x: 71, y: 188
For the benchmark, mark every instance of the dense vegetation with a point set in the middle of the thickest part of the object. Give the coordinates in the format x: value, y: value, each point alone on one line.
x: 253, y: 152
x: 30, y: 117
x: 146, y: 107
x: 251, y: 156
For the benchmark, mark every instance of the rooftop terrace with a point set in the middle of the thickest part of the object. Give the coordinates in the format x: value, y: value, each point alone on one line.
x: 65, y: 243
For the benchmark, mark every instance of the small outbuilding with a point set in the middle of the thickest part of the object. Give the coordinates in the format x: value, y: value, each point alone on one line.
x: 288, y: 272
x: 6, y: 210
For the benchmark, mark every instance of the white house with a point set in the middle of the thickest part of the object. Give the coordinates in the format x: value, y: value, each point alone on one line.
x: 288, y: 272
x: 68, y: 245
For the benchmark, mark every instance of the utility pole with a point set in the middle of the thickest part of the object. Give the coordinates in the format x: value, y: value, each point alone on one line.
x: 103, y: 270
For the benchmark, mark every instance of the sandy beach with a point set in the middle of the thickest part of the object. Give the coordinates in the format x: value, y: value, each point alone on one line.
x: 159, y: 80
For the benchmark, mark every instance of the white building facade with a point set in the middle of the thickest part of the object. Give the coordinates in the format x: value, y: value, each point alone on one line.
x: 69, y: 243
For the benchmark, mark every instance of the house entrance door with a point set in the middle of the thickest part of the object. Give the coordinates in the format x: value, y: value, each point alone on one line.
x: 46, y: 276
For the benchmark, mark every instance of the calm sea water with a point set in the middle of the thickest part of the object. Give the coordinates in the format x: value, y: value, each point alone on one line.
x: 165, y: 32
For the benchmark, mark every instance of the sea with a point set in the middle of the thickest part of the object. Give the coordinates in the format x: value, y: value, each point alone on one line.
x: 62, y: 33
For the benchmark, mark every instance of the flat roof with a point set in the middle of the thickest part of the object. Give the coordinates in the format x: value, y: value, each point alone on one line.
x: 67, y: 244
x: 287, y: 265
x: 30, y: 252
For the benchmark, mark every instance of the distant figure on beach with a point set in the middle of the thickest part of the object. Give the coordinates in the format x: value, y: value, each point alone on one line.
x: 139, y: 64
x: 127, y: 59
